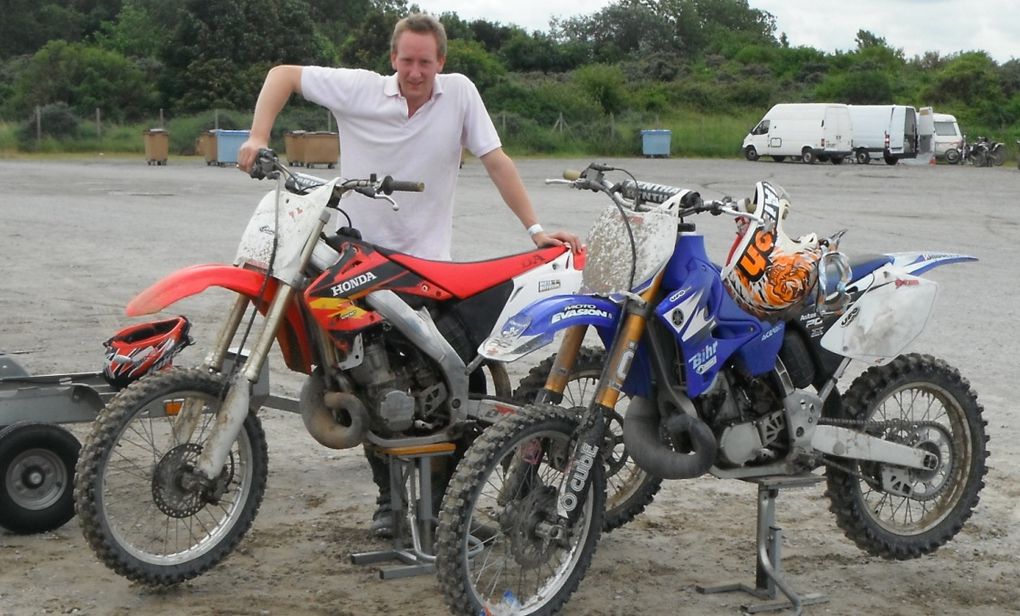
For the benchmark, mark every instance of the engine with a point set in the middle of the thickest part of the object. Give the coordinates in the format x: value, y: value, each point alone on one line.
x: 747, y: 418
x: 401, y: 388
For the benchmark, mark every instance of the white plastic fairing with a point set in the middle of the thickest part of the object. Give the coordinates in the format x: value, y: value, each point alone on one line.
x: 558, y: 277
x: 608, y: 267
x: 882, y: 322
x: 292, y: 222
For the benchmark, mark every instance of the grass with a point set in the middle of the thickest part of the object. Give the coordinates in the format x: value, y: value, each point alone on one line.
x: 694, y: 134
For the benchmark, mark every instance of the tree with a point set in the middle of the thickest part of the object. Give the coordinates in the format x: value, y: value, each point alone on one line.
x: 84, y: 77
x: 471, y: 59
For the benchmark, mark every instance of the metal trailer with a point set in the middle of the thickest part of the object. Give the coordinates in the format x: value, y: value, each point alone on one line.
x: 38, y: 455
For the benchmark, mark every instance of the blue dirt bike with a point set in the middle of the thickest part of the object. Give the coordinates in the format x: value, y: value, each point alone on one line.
x: 731, y: 371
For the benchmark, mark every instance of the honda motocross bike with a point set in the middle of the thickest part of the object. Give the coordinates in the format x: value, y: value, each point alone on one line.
x: 174, y: 470
x: 715, y: 389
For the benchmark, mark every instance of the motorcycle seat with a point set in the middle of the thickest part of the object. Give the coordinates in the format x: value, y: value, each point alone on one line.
x: 465, y: 279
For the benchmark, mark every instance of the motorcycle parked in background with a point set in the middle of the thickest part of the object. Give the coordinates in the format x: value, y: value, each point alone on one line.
x: 731, y: 371
x: 985, y: 153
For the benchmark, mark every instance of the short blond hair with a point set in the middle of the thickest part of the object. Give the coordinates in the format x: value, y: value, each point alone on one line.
x: 420, y: 23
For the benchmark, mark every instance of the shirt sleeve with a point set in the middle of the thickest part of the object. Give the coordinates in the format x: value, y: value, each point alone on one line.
x: 479, y: 136
x: 332, y: 88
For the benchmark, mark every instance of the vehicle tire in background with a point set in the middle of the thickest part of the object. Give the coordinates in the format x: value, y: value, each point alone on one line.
x: 952, y: 156
x: 36, y: 477
x: 808, y: 156
x: 750, y: 153
x: 862, y: 157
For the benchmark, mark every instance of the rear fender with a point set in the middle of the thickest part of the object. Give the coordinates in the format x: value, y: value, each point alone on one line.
x: 193, y: 280
x: 536, y: 325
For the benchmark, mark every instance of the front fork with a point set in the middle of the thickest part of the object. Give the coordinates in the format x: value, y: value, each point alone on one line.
x: 236, y: 405
x: 590, y: 433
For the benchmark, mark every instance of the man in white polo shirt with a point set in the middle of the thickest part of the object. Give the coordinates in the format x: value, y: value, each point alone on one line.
x: 412, y: 125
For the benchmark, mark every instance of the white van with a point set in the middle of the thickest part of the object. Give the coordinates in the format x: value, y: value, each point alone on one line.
x: 948, y: 139
x: 811, y: 131
x: 889, y: 130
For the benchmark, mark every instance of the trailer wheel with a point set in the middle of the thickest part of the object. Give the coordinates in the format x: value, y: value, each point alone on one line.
x: 862, y: 157
x: 808, y: 156
x: 890, y: 159
x: 36, y: 477
x: 952, y: 156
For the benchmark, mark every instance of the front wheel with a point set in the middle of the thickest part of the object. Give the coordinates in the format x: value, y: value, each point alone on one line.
x: 500, y: 544
x: 629, y: 488
x: 952, y: 156
x: 135, y: 493
x: 808, y: 156
x: 899, y: 513
x: 750, y: 153
x: 997, y: 157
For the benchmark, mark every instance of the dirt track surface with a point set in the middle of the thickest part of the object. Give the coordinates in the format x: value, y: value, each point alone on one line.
x: 80, y: 238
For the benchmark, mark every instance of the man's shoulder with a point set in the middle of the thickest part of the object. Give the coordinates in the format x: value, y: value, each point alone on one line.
x: 456, y: 81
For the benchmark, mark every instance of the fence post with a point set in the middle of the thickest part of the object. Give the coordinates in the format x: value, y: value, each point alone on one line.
x: 99, y: 129
x: 612, y: 125
x: 329, y: 121
x: 38, y: 125
x: 161, y: 117
x: 502, y: 115
x: 216, y: 119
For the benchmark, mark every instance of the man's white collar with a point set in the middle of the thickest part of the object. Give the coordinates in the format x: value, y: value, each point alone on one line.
x: 392, y: 88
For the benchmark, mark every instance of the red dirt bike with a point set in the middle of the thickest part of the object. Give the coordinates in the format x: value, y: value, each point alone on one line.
x: 175, y: 468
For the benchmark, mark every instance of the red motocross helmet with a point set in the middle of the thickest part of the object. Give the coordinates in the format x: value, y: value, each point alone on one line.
x: 139, y: 349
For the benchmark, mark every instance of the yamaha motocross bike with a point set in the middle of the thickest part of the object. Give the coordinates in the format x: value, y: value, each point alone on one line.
x: 714, y: 389
x: 174, y: 470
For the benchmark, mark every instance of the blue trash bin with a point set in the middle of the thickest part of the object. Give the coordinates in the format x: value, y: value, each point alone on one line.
x: 656, y: 142
x: 228, y: 142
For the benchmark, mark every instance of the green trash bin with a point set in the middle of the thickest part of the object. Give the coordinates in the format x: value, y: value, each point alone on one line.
x: 655, y: 142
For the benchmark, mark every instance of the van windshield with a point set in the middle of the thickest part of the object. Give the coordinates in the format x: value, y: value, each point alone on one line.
x: 945, y: 129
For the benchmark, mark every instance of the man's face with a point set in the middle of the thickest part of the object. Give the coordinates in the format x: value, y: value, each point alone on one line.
x: 417, y: 62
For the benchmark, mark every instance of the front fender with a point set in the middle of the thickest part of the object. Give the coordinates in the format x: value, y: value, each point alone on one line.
x: 183, y: 283
x: 536, y: 325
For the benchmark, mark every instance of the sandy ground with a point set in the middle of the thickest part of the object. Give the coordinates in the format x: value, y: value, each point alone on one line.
x: 80, y: 238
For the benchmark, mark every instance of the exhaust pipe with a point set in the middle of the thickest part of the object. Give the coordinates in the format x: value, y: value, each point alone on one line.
x: 317, y: 411
x: 641, y: 437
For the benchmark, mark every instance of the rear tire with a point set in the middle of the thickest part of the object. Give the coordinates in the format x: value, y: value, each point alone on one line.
x: 136, y: 512
x: 913, y: 389
x: 36, y: 477
x: 890, y: 160
x: 808, y: 156
x: 952, y: 156
x: 629, y: 489
x: 750, y: 153
x: 499, y: 538
x: 862, y: 157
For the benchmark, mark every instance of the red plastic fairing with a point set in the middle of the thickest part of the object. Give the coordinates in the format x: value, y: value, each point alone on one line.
x: 467, y: 279
x: 189, y: 281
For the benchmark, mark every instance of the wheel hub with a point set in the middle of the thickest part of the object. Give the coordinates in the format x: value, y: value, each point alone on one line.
x: 36, y: 479
x: 521, y: 521
x: 168, y: 482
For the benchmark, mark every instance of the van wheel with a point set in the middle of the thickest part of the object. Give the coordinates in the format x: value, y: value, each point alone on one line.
x: 952, y: 156
x: 836, y: 160
x: 779, y: 159
x: 862, y: 157
x: 890, y: 160
x: 750, y: 153
x: 808, y: 156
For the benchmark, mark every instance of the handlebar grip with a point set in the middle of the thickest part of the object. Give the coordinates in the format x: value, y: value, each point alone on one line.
x: 571, y: 174
x: 389, y: 186
x: 264, y: 165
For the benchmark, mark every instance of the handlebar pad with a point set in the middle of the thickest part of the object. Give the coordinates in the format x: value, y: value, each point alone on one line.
x: 389, y: 185
x: 652, y: 193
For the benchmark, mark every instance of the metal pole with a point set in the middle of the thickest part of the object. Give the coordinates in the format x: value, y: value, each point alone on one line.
x: 38, y: 125
x: 99, y: 129
x: 161, y: 117
x: 329, y: 121
x: 216, y: 119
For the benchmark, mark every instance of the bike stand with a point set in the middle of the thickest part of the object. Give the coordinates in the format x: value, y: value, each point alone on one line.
x: 412, y: 522
x: 768, y: 572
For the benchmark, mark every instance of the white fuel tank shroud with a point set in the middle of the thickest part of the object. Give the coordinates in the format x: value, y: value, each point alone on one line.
x: 885, y: 319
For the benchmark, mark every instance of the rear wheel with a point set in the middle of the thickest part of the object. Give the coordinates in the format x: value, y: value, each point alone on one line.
x: 750, y: 153
x: 952, y: 156
x: 862, y: 157
x: 141, y: 509
x: 997, y: 157
x: 500, y: 544
x: 36, y: 477
x: 901, y: 513
x: 808, y: 156
x: 629, y: 489
x: 890, y: 160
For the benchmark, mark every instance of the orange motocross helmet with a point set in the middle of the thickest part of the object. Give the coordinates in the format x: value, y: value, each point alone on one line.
x: 768, y: 274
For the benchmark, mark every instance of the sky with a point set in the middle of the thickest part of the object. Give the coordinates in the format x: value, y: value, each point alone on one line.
x: 915, y: 26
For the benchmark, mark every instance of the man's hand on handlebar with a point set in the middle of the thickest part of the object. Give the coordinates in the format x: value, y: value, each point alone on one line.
x: 248, y: 151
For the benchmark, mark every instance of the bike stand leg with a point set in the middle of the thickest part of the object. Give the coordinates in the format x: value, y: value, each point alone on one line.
x: 412, y: 521
x: 768, y: 570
